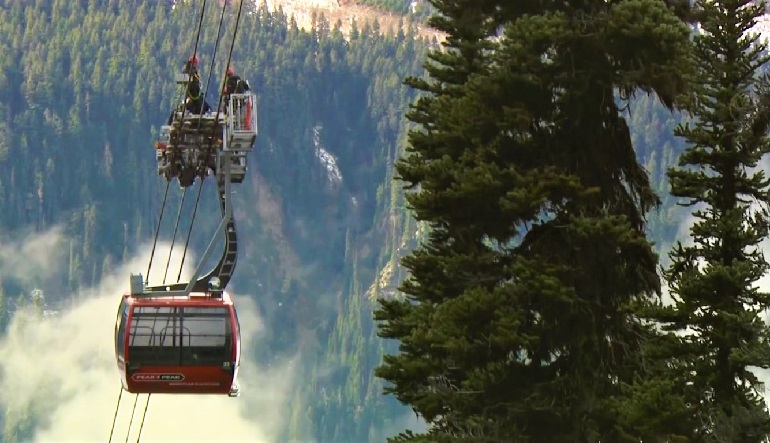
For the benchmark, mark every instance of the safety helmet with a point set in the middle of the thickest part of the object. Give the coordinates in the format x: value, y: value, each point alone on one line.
x: 230, y: 70
x: 193, y: 61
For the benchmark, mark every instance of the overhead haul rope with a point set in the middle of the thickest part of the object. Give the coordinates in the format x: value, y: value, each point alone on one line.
x: 200, y: 118
x: 173, y: 238
x: 197, y: 200
x: 114, y: 418
x: 189, y: 231
x: 229, y: 58
x: 216, y: 121
x: 184, y: 92
x: 219, y: 106
x: 155, y: 241
x: 141, y: 425
x: 211, y: 65
x: 130, y: 422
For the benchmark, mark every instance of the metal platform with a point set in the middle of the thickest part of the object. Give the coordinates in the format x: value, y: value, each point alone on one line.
x: 192, y: 145
x: 240, y: 132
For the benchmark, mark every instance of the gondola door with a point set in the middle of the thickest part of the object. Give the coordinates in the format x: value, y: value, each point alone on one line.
x: 120, y: 339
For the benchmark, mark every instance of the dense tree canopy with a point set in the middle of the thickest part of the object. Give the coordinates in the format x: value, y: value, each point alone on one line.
x: 716, y: 334
x: 400, y: 6
x: 84, y: 86
x: 516, y: 322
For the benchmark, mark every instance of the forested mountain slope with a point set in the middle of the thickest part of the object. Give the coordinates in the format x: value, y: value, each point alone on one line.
x: 84, y: 87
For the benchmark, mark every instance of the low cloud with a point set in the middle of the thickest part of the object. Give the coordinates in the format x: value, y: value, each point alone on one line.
x: 61, y: 371
x: 32, y: 258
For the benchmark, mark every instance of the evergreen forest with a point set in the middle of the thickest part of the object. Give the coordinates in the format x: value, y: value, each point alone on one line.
x: 400, y: 6
x: 547, y: 229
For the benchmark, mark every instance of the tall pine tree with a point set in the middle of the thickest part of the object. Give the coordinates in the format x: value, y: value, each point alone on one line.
x: 515, y: 326
x: 715, y: 333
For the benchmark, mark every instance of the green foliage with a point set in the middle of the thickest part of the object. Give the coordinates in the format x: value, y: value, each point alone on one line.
x: 417, y: 9
x: 82, y: 93
x: 515, y: 325
x: 714, y: 333
x: 397, y: 6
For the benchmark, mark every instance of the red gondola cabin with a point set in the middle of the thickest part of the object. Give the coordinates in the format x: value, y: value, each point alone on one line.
x: 178, y: 345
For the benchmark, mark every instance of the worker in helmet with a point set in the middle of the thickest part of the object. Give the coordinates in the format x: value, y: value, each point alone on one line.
x: 191, y: 66
x: 194, y: 103
x: 234, y: 84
